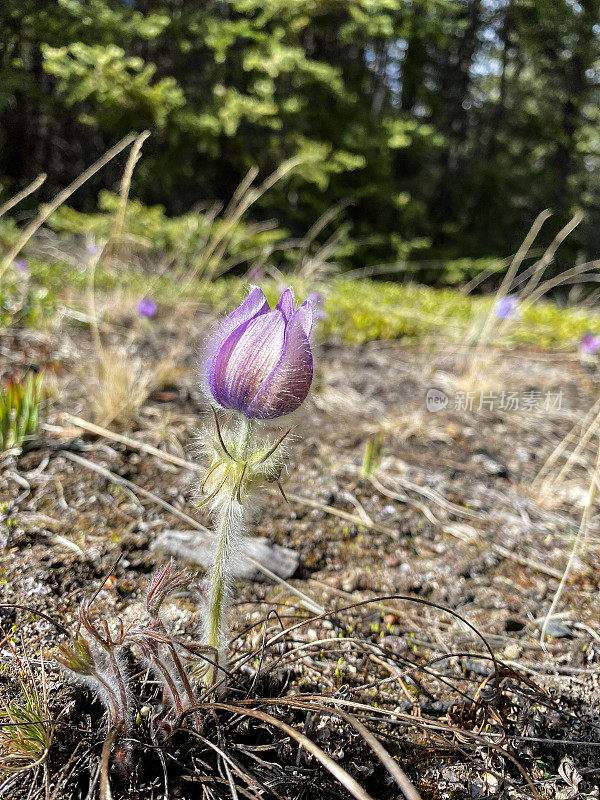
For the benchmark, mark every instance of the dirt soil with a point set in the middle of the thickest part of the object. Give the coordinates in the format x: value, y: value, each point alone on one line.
x: 448, y: 516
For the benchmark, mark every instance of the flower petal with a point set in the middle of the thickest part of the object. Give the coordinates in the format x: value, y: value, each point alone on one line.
x: 254, y: 305
x: 287, y: 386
x: 246, y: 359
x: 304, y: 314
x: 286, y: 304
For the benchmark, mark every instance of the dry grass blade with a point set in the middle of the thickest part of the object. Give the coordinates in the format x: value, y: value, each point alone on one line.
x: 30, y: 189
x: 134, y: 156
x: 508, y: 279
x: 228, y: 760
x: 397, y: 773
x: 134, y: 444
x: 548, y: 257
x: 381, y: 601
x: 60, y: 198
x: 210, y: 262
x: 337, y: 512
x: 579, y: 538
x: 585, y: 425
x: 306, y: 702
x: 339, y: 773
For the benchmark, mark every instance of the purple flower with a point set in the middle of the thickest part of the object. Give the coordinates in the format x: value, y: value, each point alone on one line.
x: 21, y: 265
x: 146, y: 308
x: 589, y: 343
x: 260, y: 361
x: 91, y: 248
x: 507, y: 307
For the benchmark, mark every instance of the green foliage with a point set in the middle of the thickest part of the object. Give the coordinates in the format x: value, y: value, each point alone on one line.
x: 113, y: 82
x: 25, y: 302
x: 19, y: 410
x: 25, y: 731
x: 443, y: 127
x: 355, y: 310
x: 148, y: 228
x: 222, y: 87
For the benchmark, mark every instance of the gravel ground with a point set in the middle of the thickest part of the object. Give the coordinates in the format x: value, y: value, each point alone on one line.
x: 451, y: 516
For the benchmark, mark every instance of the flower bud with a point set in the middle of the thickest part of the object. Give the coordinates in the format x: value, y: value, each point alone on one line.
x: 260, y: 362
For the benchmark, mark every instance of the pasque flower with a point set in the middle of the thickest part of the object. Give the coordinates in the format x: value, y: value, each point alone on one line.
x: 147, y: 308
x: 507, y: 307
x: 589, y: 343
x: 260, y: 362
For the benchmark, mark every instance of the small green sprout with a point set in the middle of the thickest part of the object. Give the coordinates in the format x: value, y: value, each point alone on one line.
x: 372, y: 455
x: 26, y: 727
x: 19, y: 411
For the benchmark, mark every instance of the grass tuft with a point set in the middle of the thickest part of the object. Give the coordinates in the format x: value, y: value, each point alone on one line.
x: 19, y: 410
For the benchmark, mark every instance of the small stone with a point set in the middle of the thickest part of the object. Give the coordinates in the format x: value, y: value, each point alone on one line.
x: 512, y: 651
x: 558, y: 629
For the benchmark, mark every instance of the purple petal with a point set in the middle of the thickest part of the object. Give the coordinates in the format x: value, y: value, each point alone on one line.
x: 287, y: 386
x: 246, y: 359
x: 507, y: 307
x: 147, y: 307
x: 256, y: 303
x: 286, y: 304
x: 304, y: 315
x: 589, y: 343
x: 253, y: 306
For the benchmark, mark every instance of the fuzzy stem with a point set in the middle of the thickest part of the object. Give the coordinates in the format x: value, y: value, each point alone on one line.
x: 228, y: 532
x: 182, y: 675
x: 124, y: 704
x: 246, y: 437
x: 229, y: 518
x: 111, y: 699
x: 170, y: 683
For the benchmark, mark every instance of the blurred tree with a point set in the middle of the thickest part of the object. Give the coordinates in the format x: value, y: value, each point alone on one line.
x: 439, y: 125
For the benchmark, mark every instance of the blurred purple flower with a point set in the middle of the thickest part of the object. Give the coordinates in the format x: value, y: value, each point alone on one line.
x: 260, y: 361
x: 255, y: 274
x: 147, y: 308
x: 91, y: 248
x: 589, y: 343
x: 507, y: 307
x: 21, y: 265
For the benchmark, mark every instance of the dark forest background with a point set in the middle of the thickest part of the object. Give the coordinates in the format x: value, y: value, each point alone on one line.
x: 430, y: 129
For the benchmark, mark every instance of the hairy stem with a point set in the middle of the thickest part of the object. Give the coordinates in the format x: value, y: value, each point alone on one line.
x: 124, y: 703
x: 246, y: 438
x: 111, y: 699
x: 229, y: 519
x: 229, y: 523
x: 170, y: 683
